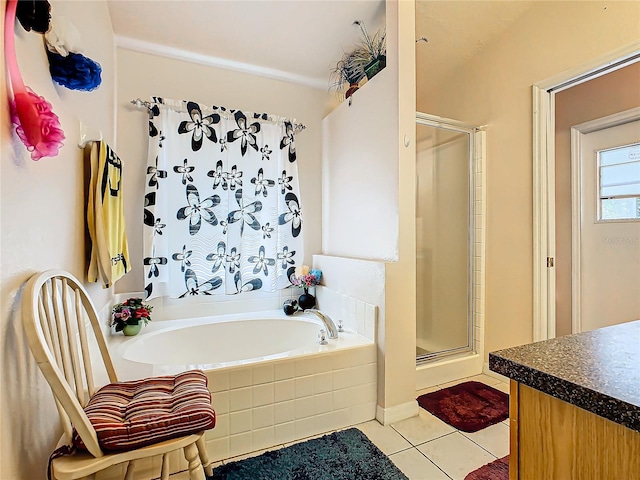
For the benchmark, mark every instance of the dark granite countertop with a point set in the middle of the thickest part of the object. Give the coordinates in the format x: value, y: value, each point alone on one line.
x: 598, y: 371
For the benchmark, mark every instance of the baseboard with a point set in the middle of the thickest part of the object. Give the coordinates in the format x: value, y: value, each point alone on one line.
x: 394, y: 414
x: 432, y: 374
x: 486, y: 371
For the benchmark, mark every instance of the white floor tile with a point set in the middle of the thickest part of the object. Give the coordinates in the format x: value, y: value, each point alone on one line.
x: 252, y: 454
x: 435, y: 388
x: 385, y: 438
x: 503, y: 387
x: 482, y: 378
x: 456, y: 455
x: 308, y: 438
x: 422, y: 428
x: 494, y: 439
x: 486, y: 379
x: 416, y: 466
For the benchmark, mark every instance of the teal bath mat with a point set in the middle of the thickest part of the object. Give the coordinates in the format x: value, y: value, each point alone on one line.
x: 345, y: 455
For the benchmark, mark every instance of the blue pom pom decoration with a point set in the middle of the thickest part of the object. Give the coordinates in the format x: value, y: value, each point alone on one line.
x: 75, y: 71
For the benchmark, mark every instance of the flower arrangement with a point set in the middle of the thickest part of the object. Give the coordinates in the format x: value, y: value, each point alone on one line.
x: 130, y: 312
x: 305, y: 277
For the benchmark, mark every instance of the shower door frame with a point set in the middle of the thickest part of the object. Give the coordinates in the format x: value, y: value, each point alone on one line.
x: 473, y: 157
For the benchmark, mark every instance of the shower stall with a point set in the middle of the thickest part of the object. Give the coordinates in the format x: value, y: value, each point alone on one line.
x: 446, y: 243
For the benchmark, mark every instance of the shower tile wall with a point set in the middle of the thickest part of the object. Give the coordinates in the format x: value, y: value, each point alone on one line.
x: 480, y: 220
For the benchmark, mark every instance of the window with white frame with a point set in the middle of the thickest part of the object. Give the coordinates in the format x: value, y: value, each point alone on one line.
x: 619, y: 183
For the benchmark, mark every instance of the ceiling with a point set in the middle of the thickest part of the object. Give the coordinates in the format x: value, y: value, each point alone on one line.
x: 305, y: 38
x: 300, y: 37
x: 456, y: 31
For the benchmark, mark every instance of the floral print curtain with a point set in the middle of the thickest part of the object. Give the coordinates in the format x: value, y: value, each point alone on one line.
x: 222, y: 211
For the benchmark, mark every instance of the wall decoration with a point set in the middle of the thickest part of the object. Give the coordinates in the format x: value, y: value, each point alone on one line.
x: 67, y: 65
x: 367, y: 59
x: 34, y: 15
x: 75, y: 71
x: 36, y: 124
x: 373, y: 48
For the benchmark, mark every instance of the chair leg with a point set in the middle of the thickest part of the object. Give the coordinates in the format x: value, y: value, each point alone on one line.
x: 196, y: 472
x: 164, y: 471
x: 204, y: 457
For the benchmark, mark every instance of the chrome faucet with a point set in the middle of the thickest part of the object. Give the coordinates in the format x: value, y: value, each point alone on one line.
x: 326, y: 319
x: 291, y: 306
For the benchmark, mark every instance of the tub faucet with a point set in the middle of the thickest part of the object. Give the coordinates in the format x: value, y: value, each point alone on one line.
x: 328, y: 323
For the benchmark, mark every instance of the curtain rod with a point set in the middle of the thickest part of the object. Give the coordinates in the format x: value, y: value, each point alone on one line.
x: 298, y: 127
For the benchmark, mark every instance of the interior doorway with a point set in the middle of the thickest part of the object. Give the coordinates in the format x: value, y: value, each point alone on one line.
x: 606, y: 221
x: 544, y: 201
x: 597, y: 98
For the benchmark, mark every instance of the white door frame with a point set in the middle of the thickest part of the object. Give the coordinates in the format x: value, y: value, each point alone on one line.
x: 544, y: 279
x: 577, y: 137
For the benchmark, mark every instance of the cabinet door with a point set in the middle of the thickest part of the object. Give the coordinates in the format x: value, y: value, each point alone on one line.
x: 559, y: 441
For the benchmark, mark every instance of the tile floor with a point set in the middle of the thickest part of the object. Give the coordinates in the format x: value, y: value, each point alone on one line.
x: 425, y: 448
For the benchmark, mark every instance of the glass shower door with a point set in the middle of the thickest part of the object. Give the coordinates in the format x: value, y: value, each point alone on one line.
x: 444, y: 235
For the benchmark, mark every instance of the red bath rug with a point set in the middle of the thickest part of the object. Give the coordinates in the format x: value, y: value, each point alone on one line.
x: 469, y: 406
x: 496, y: 470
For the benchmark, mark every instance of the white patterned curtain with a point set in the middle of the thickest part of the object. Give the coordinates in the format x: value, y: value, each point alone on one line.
x: 222, y: 210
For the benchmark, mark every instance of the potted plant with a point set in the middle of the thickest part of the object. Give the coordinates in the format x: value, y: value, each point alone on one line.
x: 349, y: 70
x: 374, y: 49
x: 129, y: 316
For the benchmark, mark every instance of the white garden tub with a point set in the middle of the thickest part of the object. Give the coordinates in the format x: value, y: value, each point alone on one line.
x: 270, y: 379
x: 223, y: 341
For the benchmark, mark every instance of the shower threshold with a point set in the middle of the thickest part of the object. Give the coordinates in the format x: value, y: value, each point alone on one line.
x: 422, y: 351
x: 425, y: 356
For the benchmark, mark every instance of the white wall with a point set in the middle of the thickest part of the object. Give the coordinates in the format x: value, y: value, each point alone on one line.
x: 369, y: 203
x: 360, y: 173
x: 142, y: 75
x: 42, y: 225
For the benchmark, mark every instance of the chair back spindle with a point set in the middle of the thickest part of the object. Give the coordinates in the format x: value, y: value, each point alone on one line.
x: 56, y: 308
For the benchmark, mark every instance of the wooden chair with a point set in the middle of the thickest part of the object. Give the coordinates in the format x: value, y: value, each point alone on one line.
x: 55, y: 310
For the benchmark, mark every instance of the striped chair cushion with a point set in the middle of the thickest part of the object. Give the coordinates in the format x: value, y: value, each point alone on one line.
x: 128, y: 415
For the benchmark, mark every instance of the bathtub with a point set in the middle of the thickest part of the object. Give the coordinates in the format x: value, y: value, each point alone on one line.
x: 271, y: 381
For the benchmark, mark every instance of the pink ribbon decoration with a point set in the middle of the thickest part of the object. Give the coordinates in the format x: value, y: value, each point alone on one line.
x: 36, y: 124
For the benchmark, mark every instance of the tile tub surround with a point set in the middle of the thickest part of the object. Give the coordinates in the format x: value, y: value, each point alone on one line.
x: 357, y: 315
x: 264, y: 405
x: 267, y: 402
x: 597, y: 371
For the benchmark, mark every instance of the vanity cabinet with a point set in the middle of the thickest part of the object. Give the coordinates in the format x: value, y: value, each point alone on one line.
x: 575, y: 406
x: 553, y: 440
